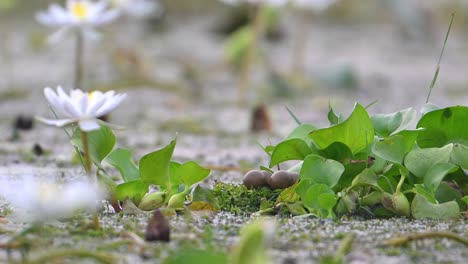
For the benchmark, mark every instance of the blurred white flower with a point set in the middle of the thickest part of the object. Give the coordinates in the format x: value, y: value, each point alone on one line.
x: 317, y: 5
x: 80, y: 107
x: 275, y: 3
x: 79, y: 14
x: 137, y: 8
x: 43, y: 200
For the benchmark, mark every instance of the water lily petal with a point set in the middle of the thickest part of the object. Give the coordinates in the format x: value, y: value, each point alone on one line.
x: 56, y: 122
x: 110, y: 105
x: 53, y: 99
x: 89, y: 125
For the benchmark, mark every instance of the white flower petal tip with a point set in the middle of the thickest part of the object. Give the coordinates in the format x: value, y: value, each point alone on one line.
x: 81, y: 14
x: 80, y: 107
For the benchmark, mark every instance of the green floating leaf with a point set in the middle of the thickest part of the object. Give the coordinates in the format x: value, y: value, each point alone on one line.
x: 319, y: 197
x: 337, y: 151
x: 422, y: 208
x: 436, y: 174
x: 100, y: 143
x: 367, y: 178
x: 134, y: 190
x: 392, y: 149
x: 357, y: 132
x: 422, y: 190
x: 444, y: 126
x: 446, y: 193
x: 292, y: 149
x: 154, y: 167
x: 460, y: 155
x: 386, y: 125
x: 302, y: 132
x: 418, y: 161
x: 173, y: 167
x: 122, y: 160
x: 191, y: 173
x: 320, y: 170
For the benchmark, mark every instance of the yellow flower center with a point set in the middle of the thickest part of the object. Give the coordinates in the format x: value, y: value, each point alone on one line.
x: 79, y: 10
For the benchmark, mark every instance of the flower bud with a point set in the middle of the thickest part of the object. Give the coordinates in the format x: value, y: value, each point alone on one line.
x: 397, y: 203
x: 152, y: 201
x: 177, y: 201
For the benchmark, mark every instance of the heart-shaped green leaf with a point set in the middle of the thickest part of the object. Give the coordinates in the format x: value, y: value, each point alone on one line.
x: 357, y: 132
x: 191, y: 173
x: 320, y: 170
x: 122, y: 160
x: 100, y: 143
x: 418, y: 161
x: 436, y: 174
x: 444, y: 126
x: 386, y: 125
x: 422, y: 208
x: 154, y: 167
x: 134, y: 190
x: 292, y: 149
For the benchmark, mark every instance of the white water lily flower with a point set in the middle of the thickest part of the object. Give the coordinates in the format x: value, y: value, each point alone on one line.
x: 137, y: 8
x: 43, y: 200
x: 317, y: 5
x: 80, y: 107
x: 81, y: 14
x: 275, y: 3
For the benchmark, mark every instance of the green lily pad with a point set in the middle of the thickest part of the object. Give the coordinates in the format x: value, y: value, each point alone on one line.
x: 444, y: 126
x: 320, y: 170
x: 418, y: 161
x: 191, y: 173
x: 392, y: 149
x: 292, y: 149
x: 357, y: 132
x: 422, y: 208
x: 122, y: 160
x: 386, y: 125
x: 154, y: 167
x: 100, y: 143
x: 134, y: 190
x: 366, y: 178
x: 436, y: 174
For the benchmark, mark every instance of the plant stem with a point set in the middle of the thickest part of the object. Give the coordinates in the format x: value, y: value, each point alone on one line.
x: 436, y: 74
x: 87, y: 156
x: 299, y: 45
x: 256, y: 18
x: 79, y: 47
x: 398, y: 241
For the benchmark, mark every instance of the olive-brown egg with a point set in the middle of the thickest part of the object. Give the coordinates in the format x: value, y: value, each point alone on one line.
x: 283, y: 179
x: 256, y: 179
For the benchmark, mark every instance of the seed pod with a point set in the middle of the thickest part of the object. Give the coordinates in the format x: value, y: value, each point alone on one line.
x: 397, y: 203
x: 158, y: 228
x: 177, y: 201
x: 152, y: 201
x: 283, y: 179
x: 256, y: 179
